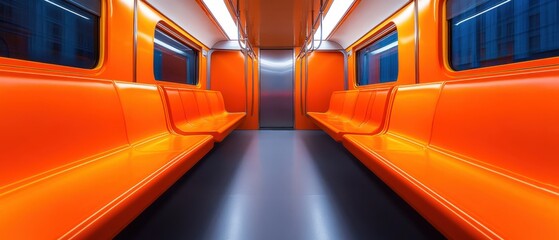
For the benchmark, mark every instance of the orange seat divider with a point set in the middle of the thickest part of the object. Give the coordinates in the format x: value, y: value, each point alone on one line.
x: 476, y: 159
x: 81, y: 159
x: 353, y: 112
x: 204, y: 112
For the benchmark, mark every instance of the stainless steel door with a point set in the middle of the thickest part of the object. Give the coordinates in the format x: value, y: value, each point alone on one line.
x: 276, y: 88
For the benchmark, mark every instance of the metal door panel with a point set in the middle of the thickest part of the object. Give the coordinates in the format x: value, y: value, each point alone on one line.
x: 276, y: 89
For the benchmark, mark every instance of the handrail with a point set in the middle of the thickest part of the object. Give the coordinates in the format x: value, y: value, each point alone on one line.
x: 242, y: 35
x: 310, y: 37
x: 304, y: 53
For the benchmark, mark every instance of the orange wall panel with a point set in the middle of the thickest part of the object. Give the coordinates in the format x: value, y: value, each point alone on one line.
x: 326, y: 75
x: 227, y: 75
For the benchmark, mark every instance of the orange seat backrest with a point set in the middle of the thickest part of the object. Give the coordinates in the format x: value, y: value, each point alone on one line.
x: 175, y: 107
x: 350, y: 99
x: 412, y: 111
x: 511, y: 124
x: 190, y: 105
x: 336, y: 103
x: 143, y: 110
x: 203, y: 104
x: 50, y: 123
x: 361, y: 106
x: 217, y: 106
x: 376, y: 111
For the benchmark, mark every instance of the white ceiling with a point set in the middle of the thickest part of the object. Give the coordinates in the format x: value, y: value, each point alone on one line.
x: 189, y: 15
x: 364, y: 17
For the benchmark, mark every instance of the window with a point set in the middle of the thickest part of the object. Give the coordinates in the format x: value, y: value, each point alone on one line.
x: 493, y: 32
x: 63, y: 32
x: 378, y: 62
x: 174, y: 61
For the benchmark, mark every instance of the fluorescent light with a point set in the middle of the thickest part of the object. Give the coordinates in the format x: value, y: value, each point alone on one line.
x: 67, y: 10
x: 489, y: 9
x: 220, y: 12
x: 333, y: 17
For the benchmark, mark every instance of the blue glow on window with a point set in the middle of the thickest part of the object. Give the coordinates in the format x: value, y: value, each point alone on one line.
x: 378, y: 62
x: 174, y: 61
x: 49, y: 31
x: 493, y: 32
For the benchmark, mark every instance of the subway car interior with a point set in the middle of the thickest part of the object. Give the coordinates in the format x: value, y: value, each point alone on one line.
x: 279, y: 119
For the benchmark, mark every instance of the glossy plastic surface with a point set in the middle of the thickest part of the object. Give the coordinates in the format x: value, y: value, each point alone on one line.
x: 473, y: 172
x: 74, y: 173
x: 200, y: 112
x: 367, y: 108
x: 325, y: 76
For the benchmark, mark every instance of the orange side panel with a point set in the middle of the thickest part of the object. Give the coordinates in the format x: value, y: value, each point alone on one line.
x: 326, y: 75
x: 228, y: 77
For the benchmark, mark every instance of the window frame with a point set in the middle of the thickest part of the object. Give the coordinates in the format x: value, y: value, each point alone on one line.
x: 167, y: 29
x: 385, y: 31
x: 446, y: 54
x: 41, y: 66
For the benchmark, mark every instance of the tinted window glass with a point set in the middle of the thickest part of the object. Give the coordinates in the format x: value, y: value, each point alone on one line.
x: 50, y: 31
x: 174, y: 61
x: 378, y: 62
x: 492, y: 32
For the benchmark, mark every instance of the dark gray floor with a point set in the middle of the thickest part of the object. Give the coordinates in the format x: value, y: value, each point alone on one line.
x: 279, y: 185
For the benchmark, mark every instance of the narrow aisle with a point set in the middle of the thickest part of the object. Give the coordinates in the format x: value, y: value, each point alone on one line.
x: 279, y: 185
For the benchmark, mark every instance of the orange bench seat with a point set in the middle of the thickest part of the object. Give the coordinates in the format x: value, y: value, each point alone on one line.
x: 476, y: 159
x: 200, y: 112
x: 81, y: 159
x: 353, y: 112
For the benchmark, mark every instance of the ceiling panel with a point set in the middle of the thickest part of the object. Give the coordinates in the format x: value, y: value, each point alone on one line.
x: 277, y: 24
x: 189, y: 15
x: 364, y: 17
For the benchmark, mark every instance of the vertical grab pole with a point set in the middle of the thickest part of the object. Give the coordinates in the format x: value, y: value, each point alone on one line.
x: 245, y: 54
x: 306, y: 81
x: 252, y: 88
x: 301, y: 84
x: 135, y: 43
